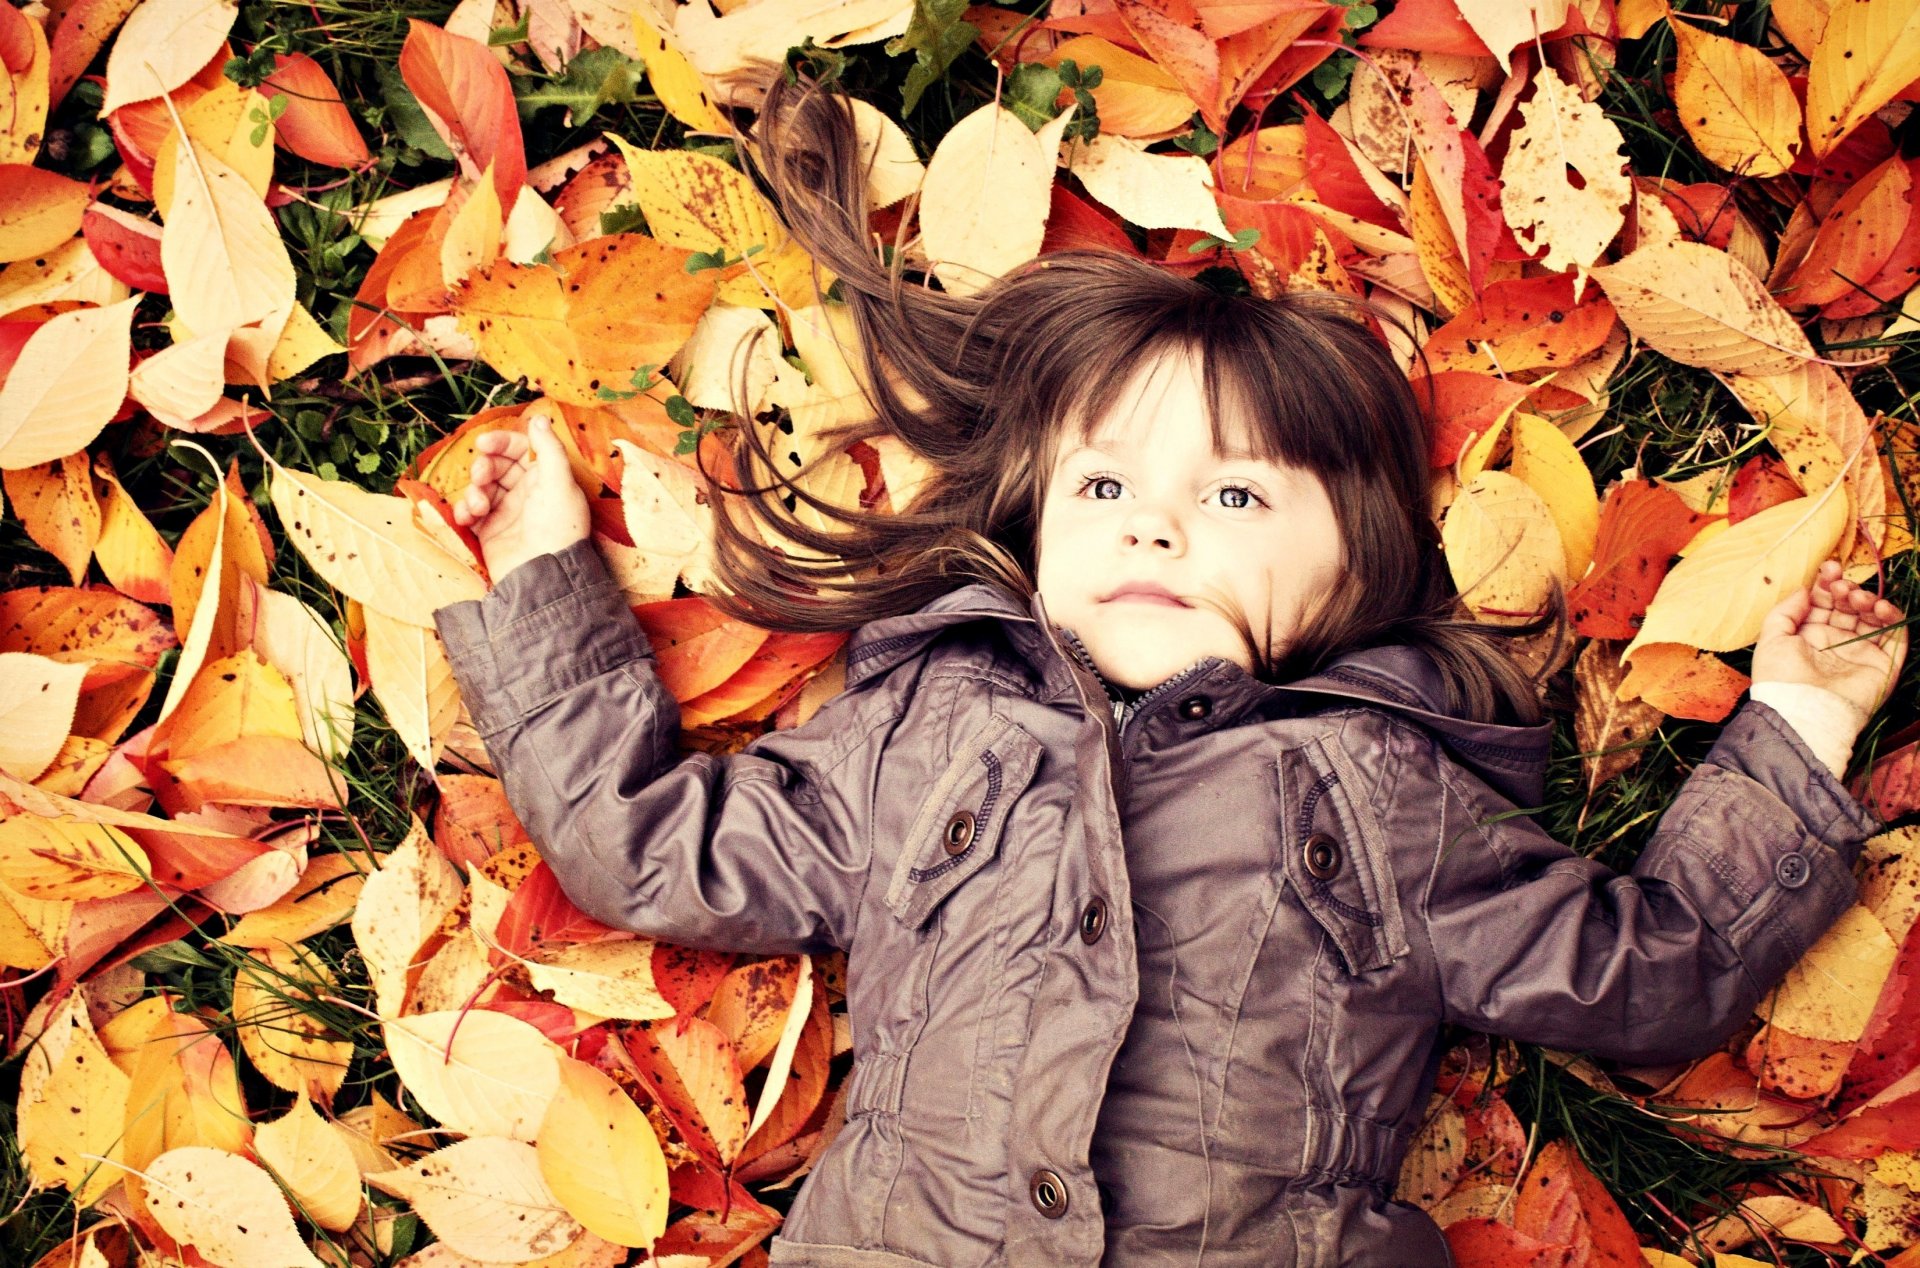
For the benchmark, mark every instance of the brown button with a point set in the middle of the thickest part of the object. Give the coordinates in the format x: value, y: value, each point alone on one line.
x: 1049, y: 1194
x: 1194, y: 708
x: 959, y: 832
x: 1093, y: 921
x: 1323, y: 856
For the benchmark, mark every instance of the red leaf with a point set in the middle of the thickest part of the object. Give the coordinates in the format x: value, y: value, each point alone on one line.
x: 1463, y: 404
x: 1426, y: 26
x: 540, y: 913
x: 1336, y: 176
x: 1890, y: 1047
x: 372, y: 335
x: 556, y: 1021
x: 315, y: 124
x: 469, y: 101
x: 127, y: 246
x: 1761, y: 482
x: 1642, y: 527
x: 80, y: 31
x: 1073, y: 224
x: 1561, y: 1201
x: 1523, y: 324
x: 1892, y: 787
x: 1488, y: 1244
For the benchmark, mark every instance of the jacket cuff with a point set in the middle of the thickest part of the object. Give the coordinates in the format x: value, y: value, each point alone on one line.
x: 1784, y: 860
x: 1764, y: 746
x: 554, y: 622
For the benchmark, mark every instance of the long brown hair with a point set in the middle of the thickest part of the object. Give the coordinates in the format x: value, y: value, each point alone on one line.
x: 986, y: 387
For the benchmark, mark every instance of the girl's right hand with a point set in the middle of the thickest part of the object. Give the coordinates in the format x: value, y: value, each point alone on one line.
x: 522, y: 501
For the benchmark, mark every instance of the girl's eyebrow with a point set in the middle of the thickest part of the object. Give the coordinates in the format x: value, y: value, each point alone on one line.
x: 1123, y: 450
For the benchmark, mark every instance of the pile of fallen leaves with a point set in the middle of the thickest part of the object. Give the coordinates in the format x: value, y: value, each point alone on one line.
x: 534, y: 1087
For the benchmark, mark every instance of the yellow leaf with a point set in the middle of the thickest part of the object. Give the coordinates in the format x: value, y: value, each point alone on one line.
x: 300, y: 643
x: 24, y: 102
x: 401, y: 907
x: 224, y: 1207
x: 72, y: 1105
x: 37, y: 699
x: 1702, y: 307
x: 473, y: 236
x: 1560, y: 136
x: 1817, y: 425
x: 272, y: 990
x: 984, y: 202
x: 1504, y: 24
x: 367, y: 545
x: 1154, y: 191
x: 222, y: 120
x: 1734, y: 102
x: 1135, y: 97
x: 893, y: 169
x: 68, y: 859
x: 312, y: 1160
x: 483, y: 1073
x: 671, y: 77
x: 485, y: 1198
x: 324, y: 897
x: 1502, y: 548
x: 184, y: 381
x: 69, y: 271
x: 302, y: 341
x: 1890, y: 880
x: 1869, y: 51
x: 184, y: 1089
x: 1831, y: 992
x: 601, y: 1158
x: 1715, y: 598
x: 607, y: 979
x: 413, y: 681
x: 696, y: 202
x: 781, y: 1067
x: 31, y: 929
x: 717, y: 47
x: 1546, y: 460
x: 69, y: 380
x: 225, y: 261
x: 671, y: 527
x: 161, y: 46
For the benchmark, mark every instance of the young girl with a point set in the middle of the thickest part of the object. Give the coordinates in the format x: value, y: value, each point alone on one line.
x: 1166, y: 815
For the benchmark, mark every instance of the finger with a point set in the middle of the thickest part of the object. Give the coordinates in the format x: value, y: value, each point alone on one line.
x: 1786, y: 616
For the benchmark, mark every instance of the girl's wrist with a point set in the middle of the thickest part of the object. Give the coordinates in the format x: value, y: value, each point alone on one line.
x: 1826, y: 720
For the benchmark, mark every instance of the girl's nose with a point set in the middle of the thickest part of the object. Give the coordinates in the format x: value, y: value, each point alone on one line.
x: 1154, y: 529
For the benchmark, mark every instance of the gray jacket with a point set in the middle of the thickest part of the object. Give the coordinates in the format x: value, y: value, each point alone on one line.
x: 1127, y: 983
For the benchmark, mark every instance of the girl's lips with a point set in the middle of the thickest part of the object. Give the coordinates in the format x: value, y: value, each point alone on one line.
x: 1136, y: 596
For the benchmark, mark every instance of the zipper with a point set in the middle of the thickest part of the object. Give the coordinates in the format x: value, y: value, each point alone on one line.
x: 1123, y: 711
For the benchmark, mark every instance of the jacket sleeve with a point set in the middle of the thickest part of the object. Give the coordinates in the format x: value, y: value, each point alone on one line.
x: 1749, y: 866
x: 748, y: 852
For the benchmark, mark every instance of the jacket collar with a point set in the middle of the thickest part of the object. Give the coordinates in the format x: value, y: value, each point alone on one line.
x: 1395, y: 677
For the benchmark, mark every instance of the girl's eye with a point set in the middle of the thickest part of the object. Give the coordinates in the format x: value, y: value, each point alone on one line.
x: 1100, y: 481
x: 1238, y: 497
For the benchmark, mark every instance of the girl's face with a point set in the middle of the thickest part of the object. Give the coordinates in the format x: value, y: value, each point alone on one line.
x: 1148, y: 503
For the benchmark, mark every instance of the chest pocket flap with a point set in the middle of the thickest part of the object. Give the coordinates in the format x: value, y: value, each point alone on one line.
x: 1335, y: 855
x: 959, y: 826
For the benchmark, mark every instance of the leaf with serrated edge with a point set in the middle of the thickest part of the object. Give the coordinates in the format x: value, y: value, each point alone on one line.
x: 401, y: 906
x: 313, y: 1161
x: 226, y: 1208
x: 485, y: 1198
x: 600, y: 1156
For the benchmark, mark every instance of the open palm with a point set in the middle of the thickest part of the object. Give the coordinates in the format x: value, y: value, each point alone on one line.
x: 1836, y: 635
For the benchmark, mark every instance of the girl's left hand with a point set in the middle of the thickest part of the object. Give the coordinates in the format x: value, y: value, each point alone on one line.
x: 1835, y: 635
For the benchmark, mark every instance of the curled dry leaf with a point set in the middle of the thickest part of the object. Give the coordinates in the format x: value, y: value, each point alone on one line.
x: 1610, y: 731
x: 402, y: 906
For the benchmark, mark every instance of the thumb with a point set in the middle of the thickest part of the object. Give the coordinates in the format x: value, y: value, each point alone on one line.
x: 1785, y: 617
x: 547, y: 449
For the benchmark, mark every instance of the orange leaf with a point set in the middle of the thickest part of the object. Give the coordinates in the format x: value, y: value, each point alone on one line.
x: 585, y: 321
x: 1642, y: 527
x: 1525, y: 324
x: 696, y: 646
x: 474, y: 821
x: 1855, y: 240
x: 774, y: 672
x: 1563, y: 1202
x: 315, y: 124
x: 469, y: 101
x: 38, y: 210
x: 55, y: 504
x: 751, y: 1003
x: 1684, y: 681
x: 127, y: 246
x: 82, y: 31
x: 690, y: 1069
